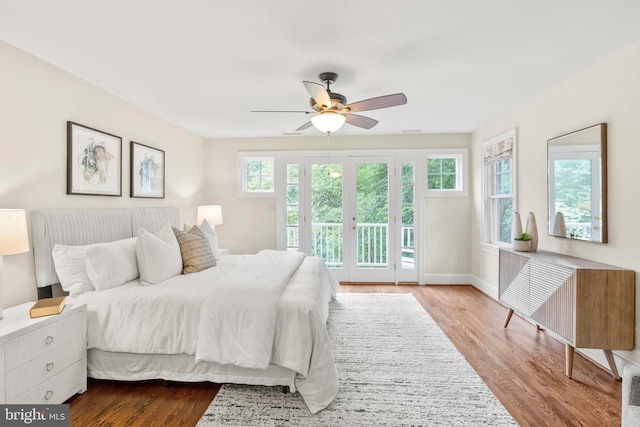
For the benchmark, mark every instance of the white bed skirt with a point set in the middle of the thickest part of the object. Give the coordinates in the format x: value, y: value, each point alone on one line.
x: 106, y: 365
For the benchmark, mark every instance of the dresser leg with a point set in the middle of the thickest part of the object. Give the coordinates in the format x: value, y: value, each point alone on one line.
x: 569, y: 352
x: 508, y: 319
x: 612, y: 364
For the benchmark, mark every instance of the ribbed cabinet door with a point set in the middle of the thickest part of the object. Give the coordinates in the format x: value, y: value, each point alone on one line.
x: 514, y: 281
x: 552, y: 297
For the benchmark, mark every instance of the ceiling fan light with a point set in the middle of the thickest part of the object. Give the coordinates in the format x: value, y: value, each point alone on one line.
x: 328, y: 122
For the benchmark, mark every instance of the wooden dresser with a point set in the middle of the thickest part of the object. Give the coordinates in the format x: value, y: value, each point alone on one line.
x: 43, y: 360
x: 585, y: 304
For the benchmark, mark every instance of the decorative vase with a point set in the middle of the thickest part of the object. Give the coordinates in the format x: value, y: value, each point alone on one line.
x: 516, y: 226
x: 532, y: 230
x: 559, y: 226
x: 521, y: 245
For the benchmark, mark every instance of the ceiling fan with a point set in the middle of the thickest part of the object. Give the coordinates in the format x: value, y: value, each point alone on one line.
x: 331, y: 110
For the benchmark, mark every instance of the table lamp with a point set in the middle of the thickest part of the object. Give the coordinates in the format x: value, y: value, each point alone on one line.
x: 213, y: 215
x: 13, y: 237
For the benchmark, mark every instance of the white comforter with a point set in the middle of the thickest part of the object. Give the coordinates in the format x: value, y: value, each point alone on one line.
x: 239, y: 318
x: 199, y: 313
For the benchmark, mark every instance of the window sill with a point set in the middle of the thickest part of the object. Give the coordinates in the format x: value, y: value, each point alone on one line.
x: 492, y: 248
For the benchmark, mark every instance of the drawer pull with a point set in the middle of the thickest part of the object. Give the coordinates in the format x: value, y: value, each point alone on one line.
x: 49, y: 366
x: 49, y: 340
x: 48, y: 395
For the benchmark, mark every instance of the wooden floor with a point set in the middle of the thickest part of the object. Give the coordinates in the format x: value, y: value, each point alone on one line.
x: 523, y: 367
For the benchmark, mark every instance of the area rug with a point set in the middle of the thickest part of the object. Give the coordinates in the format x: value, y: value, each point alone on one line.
x: 396, y: 367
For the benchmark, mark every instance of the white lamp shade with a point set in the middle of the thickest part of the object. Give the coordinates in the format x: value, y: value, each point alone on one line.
x: 13, y: 232
x: 328, y: 121
x: 213, y: 214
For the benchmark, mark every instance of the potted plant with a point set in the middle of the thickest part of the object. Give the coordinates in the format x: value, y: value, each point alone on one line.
x: 521, y: 242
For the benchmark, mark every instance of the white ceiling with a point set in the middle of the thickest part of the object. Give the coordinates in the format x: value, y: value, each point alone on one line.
x: 204, y: 64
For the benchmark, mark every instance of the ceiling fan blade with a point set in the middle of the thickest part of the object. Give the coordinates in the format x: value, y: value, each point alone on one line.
x: 281, y: 111
x: 378, y: 102
x: 304, y: 126
x: 318, y: 93
x: 360, y: 121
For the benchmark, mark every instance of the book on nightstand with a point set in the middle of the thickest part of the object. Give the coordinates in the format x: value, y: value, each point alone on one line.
x: 47, y: 307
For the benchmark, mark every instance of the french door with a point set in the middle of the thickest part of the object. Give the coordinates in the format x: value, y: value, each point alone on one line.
x: 349, y: 216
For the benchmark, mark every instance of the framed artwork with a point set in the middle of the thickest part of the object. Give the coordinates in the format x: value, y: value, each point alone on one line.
x: 94, y: 161
x: 147, y: 171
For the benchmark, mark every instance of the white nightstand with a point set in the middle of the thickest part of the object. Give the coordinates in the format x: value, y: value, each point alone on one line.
x: 43, y: 360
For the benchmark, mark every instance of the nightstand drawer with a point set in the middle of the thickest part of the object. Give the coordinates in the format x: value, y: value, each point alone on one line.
x: 36, y: 343
x: 36, y: 371
x: 58, y: 388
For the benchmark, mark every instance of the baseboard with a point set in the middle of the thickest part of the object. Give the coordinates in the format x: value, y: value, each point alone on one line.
x: 447, y: 279
x: 485, y: 287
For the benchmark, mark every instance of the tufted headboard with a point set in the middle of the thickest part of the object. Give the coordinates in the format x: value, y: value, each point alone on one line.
x: 85, y: 226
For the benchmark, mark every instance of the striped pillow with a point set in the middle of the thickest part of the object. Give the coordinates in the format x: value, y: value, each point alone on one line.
x: 195, y: 249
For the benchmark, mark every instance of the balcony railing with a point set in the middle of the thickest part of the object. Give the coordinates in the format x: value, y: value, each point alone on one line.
x: 580, y: 230
x: 372, y: 244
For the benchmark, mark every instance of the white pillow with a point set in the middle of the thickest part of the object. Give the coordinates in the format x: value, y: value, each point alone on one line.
x: 158, y: 255
x: 112, y: 264
x: 208, y: 231
x: 71, y: 268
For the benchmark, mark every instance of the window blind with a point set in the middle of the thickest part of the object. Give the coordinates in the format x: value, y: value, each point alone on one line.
x: 499, y: 151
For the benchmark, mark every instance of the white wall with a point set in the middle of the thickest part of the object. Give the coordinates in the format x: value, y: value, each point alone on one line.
x: 250, y: 223
x: 607, y: 92
x: 36, y: 101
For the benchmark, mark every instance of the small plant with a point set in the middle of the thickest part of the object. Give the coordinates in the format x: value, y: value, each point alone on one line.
x: 525, y: 237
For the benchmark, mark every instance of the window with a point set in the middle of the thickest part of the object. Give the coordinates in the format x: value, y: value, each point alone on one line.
x: 499, y: 187
x: 445, y: 173
x: 257, y: 176
x: 293, y: 207
x: 442, y: 174
x: 408, y: 244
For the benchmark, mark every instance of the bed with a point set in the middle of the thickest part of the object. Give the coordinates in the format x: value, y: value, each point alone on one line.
x: 252, y: 319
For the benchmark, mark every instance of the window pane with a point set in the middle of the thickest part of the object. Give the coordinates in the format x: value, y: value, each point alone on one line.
x: 372, y: 193
x: 293, y: 173
x: 407, y: 172
x: 253, y: 183
x: 448, y: 182
x: 259, y: 174
x: 293, y: 216
x: 293, y: 237
x: 407, y: 194
x: 407, y: 215
x: 434, y: 166
x: 503, y: 215
x: 267, y: 183
x: 326, y: 194
x: 449, y: 166
x: 442, y: 174
x: 326, y: 214
x: 434, y: 182
x: 293, y: 195
x: 503, y: 183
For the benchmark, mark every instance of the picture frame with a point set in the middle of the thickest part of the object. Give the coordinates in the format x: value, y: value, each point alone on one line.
x: 94, y: 161
x: 147, y: 171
